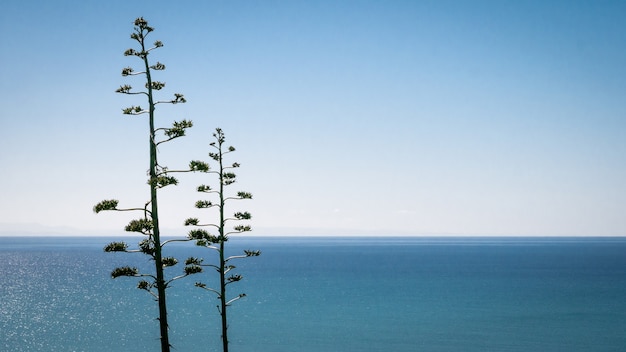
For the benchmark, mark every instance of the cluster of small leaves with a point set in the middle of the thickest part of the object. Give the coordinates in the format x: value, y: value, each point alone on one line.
x: 193, y: 261
x: 192, y: 269
x: 242, y: 228
x: 219, y: 136
x: 127, y: 71
x: 178, y: 98
x: 202, y: 204
x: 169, y: 261
x: 234, y: 278
x: 199, y: 166
x: 156, y: 85
x: 143, y: 225
x: 228, y: 178
x: 110, y: 204
x: 252, y: 253
x: 124, y: 89
x: 244, y: 195
x: 143, y: 24
x: 146, y: 246
x: 162, y: 181
x: 131, y: 51
x: 124, y: 271
x: 178, y: 129
x: 204, y: 188
x: 145, y: 285
x: 243, y: 215
x: 203, y: 243
x: 133, y: 110
x: 192, y: 221
x: 193, y: 265
x: 158, y: 66
x: 116, y: 247
x: 214, y: 156
x: 202, y: 237
x: 198, y: 234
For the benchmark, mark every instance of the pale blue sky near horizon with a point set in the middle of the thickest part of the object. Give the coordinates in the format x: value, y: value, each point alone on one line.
x: 349, y: 117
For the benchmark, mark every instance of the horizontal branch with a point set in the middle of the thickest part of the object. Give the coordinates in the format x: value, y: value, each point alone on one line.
x: 175, y: 240
x: 156, y: 297
x: 176, y: 278
x: 134, y: 93
x: 165, y: 140
x: 235, y: 257
x: 173, y: 171
x: 134, y: 113
x: 111, y: 205
x: 154, y: 47
x: 240, y: 195
x: 205, y: 225
x: 203, y: 286
x: 235, y: 232
x: 134, y: 209
x: 178, y: 99
x: 236, y: 298
x: 133, y: 73
x: 248, y: 253
x: 211, y: 266
x: 128, y: 271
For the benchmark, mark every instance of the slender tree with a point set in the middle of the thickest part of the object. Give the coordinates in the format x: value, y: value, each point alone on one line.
x: 217, y: 242
x: 159, y: 177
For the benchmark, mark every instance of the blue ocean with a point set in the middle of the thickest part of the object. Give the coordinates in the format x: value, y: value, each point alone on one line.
x: 325, y: 294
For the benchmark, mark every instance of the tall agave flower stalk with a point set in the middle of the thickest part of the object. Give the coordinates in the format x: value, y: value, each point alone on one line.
x: 160, y: 176
x: 217, y: 242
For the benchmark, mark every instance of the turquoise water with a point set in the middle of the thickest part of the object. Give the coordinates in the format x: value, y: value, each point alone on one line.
x: 327, y: 294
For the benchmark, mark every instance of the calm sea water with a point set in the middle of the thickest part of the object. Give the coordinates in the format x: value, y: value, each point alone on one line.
x: 327, y: 294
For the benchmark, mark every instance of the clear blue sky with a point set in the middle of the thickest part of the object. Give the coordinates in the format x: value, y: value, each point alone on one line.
x: 349, y: 117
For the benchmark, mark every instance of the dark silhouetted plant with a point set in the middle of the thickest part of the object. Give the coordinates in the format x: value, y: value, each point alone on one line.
x: 217, y: 242
x: 159, y: 177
